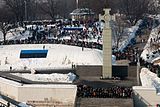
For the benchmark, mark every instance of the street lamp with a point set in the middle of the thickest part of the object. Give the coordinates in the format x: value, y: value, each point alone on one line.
x: 138, y: 68
x: 77, y: 2
x: 25, y: 4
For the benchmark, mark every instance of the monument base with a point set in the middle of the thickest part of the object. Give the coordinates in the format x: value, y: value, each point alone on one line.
x: 118, y: 72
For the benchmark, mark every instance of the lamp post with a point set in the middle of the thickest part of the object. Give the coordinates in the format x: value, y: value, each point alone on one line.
x: 77, y: 2
x: 25, y: 6
x: 138, y: 68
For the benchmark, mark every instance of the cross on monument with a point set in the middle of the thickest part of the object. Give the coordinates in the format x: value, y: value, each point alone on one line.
x: 106, y: 17
x: 107, y: 45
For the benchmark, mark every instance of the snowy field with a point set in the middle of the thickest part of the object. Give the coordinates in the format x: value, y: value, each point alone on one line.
x: 58, y: 57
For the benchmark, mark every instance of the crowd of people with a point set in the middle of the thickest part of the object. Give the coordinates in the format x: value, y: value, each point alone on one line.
x: 132, y: 53
x: 90, y: 36
x: 85, y: 91
x: 56, y: 41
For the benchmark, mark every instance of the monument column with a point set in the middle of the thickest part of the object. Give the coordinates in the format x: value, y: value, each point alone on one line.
x: 107, y: 45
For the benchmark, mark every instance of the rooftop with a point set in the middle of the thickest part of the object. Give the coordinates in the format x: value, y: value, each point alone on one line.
x: 82, y: 11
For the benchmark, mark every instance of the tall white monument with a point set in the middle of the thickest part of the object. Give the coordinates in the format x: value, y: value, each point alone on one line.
x: 107, y: 45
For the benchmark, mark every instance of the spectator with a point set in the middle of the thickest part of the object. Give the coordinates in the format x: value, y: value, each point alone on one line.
x: 112, y: 92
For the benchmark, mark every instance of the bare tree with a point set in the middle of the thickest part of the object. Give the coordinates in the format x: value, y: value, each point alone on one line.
x: 118, y: 27
x: 96, y: 5
x: 6, y: 14
x: 17, y: 7
x: 68, y: 7
x: 4, y: 27
x: 133, y: 9
x: 5, y: 18
x: 30, y: 9
x: 154, y: 7
x: 50, y: 7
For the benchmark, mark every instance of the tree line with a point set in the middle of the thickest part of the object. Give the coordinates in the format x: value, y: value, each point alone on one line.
x: 20, y: 10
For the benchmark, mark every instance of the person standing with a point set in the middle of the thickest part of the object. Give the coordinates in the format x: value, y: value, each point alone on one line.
x: 8, y: 104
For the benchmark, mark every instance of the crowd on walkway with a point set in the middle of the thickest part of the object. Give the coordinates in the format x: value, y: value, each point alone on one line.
x: 85, y: 91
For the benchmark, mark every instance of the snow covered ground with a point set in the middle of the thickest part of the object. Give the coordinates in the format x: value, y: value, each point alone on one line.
x: 58, y: 57
x: 14, y: 34
x: 131, y: 33
x: 55, y: 77
x: 150, y: 79
x: 148, y: 49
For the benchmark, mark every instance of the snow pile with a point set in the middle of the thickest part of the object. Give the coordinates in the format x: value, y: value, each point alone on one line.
x: 150, y: 79
x: 131, y: 33
x: 148, y: 49
x: 147, y: 77
x: 55, y: 77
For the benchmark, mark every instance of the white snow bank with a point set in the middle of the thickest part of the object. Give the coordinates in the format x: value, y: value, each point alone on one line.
x: 148, y: 49
x: 55, y: 77
x: 131, y: 34
x: 150, y: 79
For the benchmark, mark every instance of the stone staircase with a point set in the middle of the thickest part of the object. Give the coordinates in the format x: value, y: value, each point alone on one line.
x: 104, y: 102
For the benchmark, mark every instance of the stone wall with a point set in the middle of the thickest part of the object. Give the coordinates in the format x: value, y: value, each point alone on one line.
x: 40, y: 95
x: 90, y: 70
